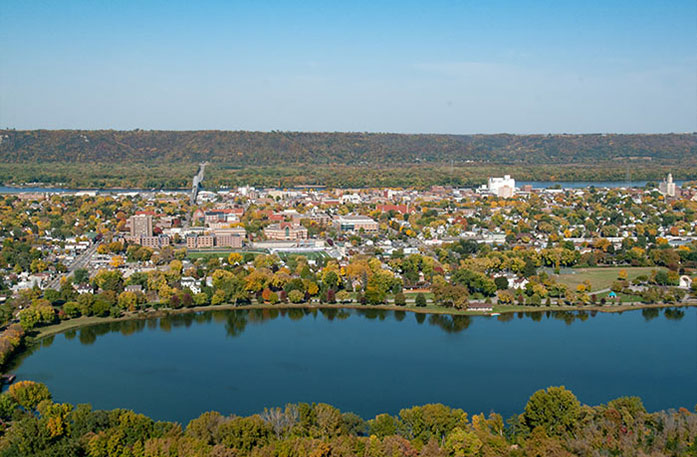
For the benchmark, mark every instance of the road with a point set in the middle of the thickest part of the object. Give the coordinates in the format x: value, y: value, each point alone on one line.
x: 80, y: 261
x: 198, y: 179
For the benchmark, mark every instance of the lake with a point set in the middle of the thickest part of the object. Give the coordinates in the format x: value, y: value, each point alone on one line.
x: 368, y: 361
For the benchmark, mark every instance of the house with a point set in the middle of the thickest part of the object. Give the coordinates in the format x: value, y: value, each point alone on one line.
x: 134, y: 288
x: 29, y: 281
x: 520, y: 283
x: 83, y: 288
x: 188, y: 282
x: 480, y: 307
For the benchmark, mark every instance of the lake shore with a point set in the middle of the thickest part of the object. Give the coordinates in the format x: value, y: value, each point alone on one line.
x: 85, y: 321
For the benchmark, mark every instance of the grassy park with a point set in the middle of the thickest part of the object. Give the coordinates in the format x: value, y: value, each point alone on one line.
x: 310, y: 255
x: 220, y: 253
x: 600, y: 277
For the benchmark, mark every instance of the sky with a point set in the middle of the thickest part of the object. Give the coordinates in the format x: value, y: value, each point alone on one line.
x: 459, y: 67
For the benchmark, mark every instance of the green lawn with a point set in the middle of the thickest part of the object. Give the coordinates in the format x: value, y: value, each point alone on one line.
x: 600, y: 277
x: 223, y: 253
x: 220, y: 253
x: 624, y: 298
x: 313, y: 255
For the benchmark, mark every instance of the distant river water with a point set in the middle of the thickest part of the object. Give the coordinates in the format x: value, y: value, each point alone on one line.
x: 534, y: 184
x: 368, y: 361
x: 585, y: 184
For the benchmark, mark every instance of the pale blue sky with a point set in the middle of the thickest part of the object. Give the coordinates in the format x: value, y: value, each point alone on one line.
x: 398, y: 66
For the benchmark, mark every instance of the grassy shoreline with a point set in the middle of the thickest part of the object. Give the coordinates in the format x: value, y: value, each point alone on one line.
x: 85, y: 321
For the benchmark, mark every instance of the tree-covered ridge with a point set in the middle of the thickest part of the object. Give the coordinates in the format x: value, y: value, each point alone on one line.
x: 553, y: 423
x: 301, y: 148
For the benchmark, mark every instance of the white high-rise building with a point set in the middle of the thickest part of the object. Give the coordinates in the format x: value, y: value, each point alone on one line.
x: 667, y: 187
x: 502, y: 187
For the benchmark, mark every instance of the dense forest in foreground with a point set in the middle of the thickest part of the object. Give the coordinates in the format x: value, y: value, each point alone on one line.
x: 554, y: 423
x: 138, y: 158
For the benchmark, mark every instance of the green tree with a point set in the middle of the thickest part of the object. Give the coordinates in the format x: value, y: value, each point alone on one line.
x: 72, y: 309
x: 462, y: 443
x: 81, y: 276
x: 205, y: 426
x: 383, y: 425
x: 556, y: 410
x: 127, y: 301
x: 28, y: 394
x: 244, y: 433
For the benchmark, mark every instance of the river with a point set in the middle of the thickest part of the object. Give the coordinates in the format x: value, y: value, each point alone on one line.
x: 534, y: 184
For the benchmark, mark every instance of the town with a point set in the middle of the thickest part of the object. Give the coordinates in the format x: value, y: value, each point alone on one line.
x: 348, y: 229
x: 488, y: 249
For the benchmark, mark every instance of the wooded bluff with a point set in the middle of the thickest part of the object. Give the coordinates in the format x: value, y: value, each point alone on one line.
x: 292, y: 148
x: 155, y: 159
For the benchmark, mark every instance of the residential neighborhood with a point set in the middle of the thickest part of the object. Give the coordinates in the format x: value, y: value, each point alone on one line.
x: 463, y: 248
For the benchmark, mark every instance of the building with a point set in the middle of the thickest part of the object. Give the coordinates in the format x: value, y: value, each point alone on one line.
x: 141, y: 225
x: 230, y: 237
x: 401, y: 209
x: 218, y: 215
x: 155, y: 242
x: 227, y: 240
x: 355, y: 223
x: 188, y: 282
x: 285, y: 231
x: 501, y: 187
x: 667, y: 187
x: 480, y: 307
x: 135, y: 288
x: 205, y: 241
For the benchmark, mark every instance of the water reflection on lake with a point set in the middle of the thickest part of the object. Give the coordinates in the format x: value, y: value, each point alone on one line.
x: 368, y: 360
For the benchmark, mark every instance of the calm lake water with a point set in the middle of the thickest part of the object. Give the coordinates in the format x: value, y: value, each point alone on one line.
x: 369, y: 362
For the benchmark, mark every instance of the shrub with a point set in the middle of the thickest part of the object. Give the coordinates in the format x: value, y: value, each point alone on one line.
x: 343, y: 296
x: 501, y: 283
x: 400, y: 299
x: 295, y: 296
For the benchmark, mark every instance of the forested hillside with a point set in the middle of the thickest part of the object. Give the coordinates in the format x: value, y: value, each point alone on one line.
x: 167, y: 159
x: 297, y: 148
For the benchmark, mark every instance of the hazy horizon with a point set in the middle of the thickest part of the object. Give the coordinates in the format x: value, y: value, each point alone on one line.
x: 378, y: 67
x: 184, y: 130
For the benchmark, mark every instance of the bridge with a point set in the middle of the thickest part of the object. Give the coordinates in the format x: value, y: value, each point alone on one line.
x: 198, y: 179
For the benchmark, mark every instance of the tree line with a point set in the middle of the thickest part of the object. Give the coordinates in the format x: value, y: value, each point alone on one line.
x: 553, y: 423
